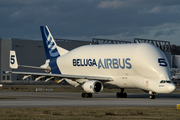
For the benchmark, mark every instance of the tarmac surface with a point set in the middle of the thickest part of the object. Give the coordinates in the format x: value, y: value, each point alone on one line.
x: 13, y: 99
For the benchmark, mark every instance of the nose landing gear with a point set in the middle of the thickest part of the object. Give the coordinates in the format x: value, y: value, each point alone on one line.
x: 152, y: 95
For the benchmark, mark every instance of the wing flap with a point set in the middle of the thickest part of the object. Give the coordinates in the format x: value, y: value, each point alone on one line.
x: 73, y: 77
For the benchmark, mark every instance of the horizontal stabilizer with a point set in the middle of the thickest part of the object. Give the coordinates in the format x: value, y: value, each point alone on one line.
x: 14, y: 64
x: 33, y: 67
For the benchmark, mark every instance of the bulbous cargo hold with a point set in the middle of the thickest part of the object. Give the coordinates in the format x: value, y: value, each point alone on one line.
x: 115, y: 60
x: 150, y: 61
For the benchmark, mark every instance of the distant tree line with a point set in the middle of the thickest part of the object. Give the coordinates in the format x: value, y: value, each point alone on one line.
x: 175, y: 50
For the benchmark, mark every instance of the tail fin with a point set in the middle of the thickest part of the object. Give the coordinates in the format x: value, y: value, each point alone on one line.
x: 49, y: 43
x: 13, y: 60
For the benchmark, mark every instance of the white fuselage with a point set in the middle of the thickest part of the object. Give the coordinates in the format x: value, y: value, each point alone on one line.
x: 140, y: 66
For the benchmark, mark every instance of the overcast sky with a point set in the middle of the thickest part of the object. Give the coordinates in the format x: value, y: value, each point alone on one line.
x: 84, y: 19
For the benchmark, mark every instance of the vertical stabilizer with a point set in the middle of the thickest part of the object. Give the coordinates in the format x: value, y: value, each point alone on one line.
x: 49, y: 43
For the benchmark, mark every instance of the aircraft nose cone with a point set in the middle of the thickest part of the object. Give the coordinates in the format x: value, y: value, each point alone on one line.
x: 171, y: 87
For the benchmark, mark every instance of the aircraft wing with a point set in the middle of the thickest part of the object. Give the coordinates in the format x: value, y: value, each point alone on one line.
x: 73, y: 77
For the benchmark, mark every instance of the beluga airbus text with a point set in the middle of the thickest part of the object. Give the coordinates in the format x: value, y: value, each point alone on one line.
x: 142, y: 66
x: 104, y: 64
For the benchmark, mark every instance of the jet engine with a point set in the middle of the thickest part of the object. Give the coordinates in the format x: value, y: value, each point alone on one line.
x: 92, y: 86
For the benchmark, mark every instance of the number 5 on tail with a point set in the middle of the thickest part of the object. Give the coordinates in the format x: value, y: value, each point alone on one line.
x: 13, y: 60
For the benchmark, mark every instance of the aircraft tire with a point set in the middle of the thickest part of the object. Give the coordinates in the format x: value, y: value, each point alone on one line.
x: 89, y: 95
x: 121, y: 95
x: 124, y: 95
x: 152, y: 96
x: 83, y: 95
x: 118, y: 94
x: 86, y: 95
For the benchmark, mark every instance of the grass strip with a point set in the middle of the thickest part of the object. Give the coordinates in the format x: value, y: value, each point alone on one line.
x: 105, y: 113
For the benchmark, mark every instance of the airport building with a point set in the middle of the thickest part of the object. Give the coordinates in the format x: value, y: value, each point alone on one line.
x: 31, y: 53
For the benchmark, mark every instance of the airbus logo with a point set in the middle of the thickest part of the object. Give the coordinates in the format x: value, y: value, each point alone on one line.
x: 108, y: 63
x: 52, y: 49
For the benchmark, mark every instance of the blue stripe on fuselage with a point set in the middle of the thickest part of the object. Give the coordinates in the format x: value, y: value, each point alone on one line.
x: 54, y: 66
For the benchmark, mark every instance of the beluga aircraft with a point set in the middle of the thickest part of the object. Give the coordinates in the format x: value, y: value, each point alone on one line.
x: 142, y: 66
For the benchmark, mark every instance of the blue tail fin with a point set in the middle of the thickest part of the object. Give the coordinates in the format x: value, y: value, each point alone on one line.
x: 49, y: 43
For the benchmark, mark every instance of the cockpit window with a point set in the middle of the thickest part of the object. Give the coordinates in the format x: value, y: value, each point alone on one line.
x: 164, y: 81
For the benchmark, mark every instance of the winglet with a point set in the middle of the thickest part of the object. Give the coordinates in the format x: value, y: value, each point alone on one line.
x: 13, y: 60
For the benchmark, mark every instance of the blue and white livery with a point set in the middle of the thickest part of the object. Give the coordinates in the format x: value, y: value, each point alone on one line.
x: 49, y: 44
x: 92, y: 67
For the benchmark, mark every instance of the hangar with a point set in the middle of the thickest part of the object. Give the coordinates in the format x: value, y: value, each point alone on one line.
x: 31, y: 52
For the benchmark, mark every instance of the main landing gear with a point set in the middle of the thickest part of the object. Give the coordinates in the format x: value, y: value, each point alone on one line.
x: 152, y: 95
x: 121, y: 94
x: 86, y: 95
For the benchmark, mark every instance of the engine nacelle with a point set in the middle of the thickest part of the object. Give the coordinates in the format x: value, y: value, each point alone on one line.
x: 92, y: 86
